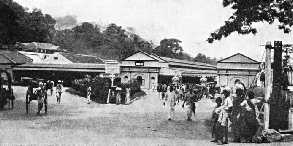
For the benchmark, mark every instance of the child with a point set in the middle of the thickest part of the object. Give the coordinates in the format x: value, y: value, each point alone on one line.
x: 215, y: 117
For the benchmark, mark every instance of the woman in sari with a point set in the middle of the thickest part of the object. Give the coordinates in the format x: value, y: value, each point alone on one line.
x: 237, y: 115
x: 250, y: 122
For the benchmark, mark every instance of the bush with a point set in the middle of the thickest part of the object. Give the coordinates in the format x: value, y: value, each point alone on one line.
x: 100, y: 89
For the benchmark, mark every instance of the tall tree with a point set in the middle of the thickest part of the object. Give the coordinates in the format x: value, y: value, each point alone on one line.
x: 248, y: 12
x: 18, y: 25
x: 10, y: 14
x: 36, y: 26
x: 169, y: 48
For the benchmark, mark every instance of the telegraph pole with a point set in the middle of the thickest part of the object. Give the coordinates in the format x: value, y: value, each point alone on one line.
x: 268, y: 85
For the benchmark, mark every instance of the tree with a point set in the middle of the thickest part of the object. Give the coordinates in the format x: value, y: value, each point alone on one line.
x: 169, y: 48
x: 18, y: 25
x: 248, y: 12
x: 36, y: 27
x: 10, y: 14
x: 204, y: 59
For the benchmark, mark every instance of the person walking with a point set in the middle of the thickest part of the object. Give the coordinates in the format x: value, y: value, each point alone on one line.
x: 170, y: 98
x: 189, y: 100
x: 89, y: 93
x: 59, y: 88
x: 225, y: 112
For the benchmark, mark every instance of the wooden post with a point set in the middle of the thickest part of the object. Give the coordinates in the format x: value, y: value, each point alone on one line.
x: 268, y: 85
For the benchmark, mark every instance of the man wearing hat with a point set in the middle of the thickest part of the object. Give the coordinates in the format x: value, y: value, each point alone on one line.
x: 224, y: 116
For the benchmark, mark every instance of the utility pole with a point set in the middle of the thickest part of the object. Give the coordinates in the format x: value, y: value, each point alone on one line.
x: 268, y: 85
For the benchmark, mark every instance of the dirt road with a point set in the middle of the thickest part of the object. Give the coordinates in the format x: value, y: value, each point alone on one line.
x: 74, y: 122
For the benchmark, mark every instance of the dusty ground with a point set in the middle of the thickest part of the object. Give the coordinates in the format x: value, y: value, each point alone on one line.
x: 73, y: 122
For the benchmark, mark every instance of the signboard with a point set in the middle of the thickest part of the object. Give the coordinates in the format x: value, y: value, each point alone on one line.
x: 112, y: 67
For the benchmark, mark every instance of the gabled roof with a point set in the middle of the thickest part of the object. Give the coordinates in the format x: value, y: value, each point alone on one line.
x: 13, y: 58
x: 237, y: 58
x: 139, y: 55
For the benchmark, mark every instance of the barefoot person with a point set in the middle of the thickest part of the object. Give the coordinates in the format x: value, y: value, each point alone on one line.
x: 215, y: 117
x: 189, y: 102
x: 224, y: 115
x: 170, y: 98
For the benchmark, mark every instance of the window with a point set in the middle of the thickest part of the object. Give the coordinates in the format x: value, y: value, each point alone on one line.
x: 139, y: 63
x: 55, y: 58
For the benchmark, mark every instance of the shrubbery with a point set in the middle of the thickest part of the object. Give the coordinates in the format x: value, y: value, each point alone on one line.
x: 100, y: 89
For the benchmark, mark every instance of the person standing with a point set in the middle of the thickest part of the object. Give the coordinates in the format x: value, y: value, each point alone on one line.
x: 52, y: 84
x: 159, y: 89
x: 153, y: 87
x: 250, y: 120
x: 179, y: 94
x: 215, y: 117
x: 127, y: 98
x: 118, y: 94
x: 170, y: 98
x: 89, y: 93
x: 164, y: 90
x: 239, y: 85
x: 225, y: 112
x: 237, y: 115
x: 40, y: 97
x: 59, y: 88
x: 189, y: 100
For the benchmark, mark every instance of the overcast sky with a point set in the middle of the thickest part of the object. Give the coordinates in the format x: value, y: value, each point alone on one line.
x: 190, y: 21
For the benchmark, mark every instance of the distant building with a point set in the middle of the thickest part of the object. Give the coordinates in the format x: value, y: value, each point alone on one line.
x: 237, y: 66
x: 150, y: 68
x: 49, y: 62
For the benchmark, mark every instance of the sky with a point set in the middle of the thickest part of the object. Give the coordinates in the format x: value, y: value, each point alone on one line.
x: 190, y: 21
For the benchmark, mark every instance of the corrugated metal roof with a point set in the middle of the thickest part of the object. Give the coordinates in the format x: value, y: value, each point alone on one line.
x: 42, y: 58
x: 72, y: 65
x: 173, y: 61
x: 35, y: 45
x: 13, y: 57
x: 81, y: 58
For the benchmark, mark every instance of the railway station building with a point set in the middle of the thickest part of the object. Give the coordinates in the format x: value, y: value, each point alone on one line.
x: 49, y: 62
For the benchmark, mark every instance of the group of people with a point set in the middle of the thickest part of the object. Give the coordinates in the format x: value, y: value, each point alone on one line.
x: 42, y: 88
x: 236, y: 111
x: 172, y: 94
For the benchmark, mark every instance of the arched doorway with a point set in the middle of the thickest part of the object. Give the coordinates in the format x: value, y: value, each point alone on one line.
x: 139, y: 79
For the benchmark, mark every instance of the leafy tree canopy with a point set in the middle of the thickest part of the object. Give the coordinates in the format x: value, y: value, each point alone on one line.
x: 248, y: 12
x: 19, y: 25
x: 169, y: 48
